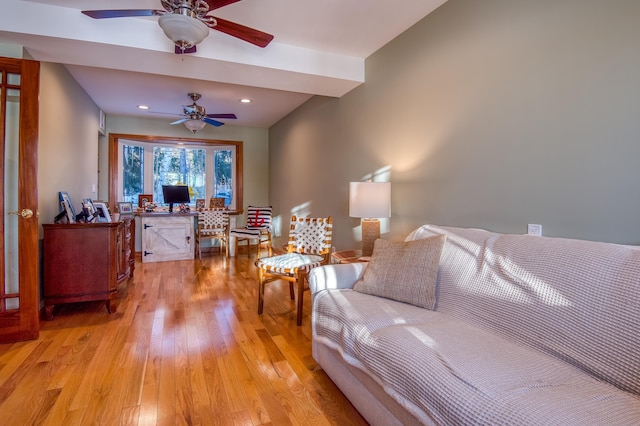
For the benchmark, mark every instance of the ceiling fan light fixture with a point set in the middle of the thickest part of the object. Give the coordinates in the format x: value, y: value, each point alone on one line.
x: 194, y: 125
x: 183, y: 30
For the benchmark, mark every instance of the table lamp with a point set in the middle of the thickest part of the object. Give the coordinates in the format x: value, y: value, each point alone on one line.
x: 369, y: 201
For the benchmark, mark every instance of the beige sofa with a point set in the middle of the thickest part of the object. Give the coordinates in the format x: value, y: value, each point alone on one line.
x: 525, y: 330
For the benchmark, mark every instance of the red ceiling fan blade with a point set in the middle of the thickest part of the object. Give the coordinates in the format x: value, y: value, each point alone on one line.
x: 231, y: 116
x: 247, y: 34
x: 122, y: 13
x: 217, y: 4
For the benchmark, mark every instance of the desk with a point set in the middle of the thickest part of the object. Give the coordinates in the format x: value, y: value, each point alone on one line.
x: 348, y: 256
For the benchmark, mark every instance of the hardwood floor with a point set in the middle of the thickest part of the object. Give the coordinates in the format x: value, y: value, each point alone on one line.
x: 186, y: 347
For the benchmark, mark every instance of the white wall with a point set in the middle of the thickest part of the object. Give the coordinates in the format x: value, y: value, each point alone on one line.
x: 489, y: 114
x: 255, y: 149
x: 68, y: 141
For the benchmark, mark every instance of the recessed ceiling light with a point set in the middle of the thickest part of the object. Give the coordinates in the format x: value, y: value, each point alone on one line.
x: 145, y: 107
x: 245, y: 100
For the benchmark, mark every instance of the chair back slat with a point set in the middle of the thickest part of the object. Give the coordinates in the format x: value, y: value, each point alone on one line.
x: 310, y: 235
x: 213, y: 219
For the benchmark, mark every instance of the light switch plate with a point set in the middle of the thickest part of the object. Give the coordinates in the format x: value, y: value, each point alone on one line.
x: 534, y: 229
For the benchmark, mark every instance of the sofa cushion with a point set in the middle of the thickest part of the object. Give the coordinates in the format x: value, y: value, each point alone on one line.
x: 448, y: 371
x: 578, y: 301
x: 404, y: 271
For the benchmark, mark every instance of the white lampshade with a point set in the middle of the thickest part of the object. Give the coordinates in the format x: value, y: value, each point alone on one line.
x: 370, y: 199
x: 194, y: 125
x: 183, y: 30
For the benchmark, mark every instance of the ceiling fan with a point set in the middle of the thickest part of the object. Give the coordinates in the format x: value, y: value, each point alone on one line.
x: 195, y: 116
x: 187, y: 23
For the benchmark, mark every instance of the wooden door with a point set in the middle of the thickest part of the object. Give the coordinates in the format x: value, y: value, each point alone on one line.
x: 19, y: 88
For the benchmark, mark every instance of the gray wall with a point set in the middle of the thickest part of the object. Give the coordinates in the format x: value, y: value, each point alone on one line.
x: 489, y: 114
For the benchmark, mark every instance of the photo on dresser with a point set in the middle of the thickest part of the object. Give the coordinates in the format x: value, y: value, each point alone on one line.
x: 144, y: 199
x: 125, y: 208
x: 102, y: 212
x: 64, y: 197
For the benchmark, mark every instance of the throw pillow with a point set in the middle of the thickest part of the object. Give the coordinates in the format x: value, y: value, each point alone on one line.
x: 404, y: 271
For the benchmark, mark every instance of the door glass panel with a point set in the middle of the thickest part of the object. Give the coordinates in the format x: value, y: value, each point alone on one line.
x: 11, y: 194
x: 13, y: 79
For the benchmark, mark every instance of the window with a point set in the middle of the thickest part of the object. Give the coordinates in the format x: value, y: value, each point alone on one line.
x: 132, y: 173
x: 209, y: 168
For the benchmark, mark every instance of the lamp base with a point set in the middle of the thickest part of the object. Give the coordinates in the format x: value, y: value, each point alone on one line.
x: 370, y: 233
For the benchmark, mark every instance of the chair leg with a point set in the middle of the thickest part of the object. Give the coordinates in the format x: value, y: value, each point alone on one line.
x: 301, y: 278
x: 260, y: 290
x: 291, y: 292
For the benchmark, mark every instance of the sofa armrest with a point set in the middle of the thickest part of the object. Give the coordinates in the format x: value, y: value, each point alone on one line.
x: 335, y: 276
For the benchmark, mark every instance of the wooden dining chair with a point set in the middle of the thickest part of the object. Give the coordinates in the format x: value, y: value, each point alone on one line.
x: 257, y: 228
x: 213, y: 224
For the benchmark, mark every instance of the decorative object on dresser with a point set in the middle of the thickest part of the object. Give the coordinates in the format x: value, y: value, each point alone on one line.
x: 67, y: 205
x: 68, y: 213
x: 369, y: 201
x: 102, y: 211
x: 258, y: 227
x: 144, y: 199
x: 87, y: 203
x: 87, y: 262
x: 309, y: 246
x: 125, y: 207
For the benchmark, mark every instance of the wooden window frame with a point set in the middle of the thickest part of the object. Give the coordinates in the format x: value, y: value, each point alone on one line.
x: 114, y: 139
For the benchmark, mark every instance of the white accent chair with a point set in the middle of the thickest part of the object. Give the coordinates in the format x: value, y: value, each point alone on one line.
x: 258, y: 227
x: 309, y: 246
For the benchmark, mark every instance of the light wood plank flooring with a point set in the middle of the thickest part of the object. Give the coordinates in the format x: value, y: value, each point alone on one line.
x: 186, y: 347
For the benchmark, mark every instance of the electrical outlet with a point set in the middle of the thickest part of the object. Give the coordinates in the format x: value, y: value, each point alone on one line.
x: 534, y: 229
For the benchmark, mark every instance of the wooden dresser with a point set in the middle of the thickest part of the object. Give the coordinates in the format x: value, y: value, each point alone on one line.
x: 85, y: 262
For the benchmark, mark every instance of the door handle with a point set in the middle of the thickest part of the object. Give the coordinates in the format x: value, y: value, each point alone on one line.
x: 25, y: 213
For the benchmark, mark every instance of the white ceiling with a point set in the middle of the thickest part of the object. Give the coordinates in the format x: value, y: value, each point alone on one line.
x: 319, y: 49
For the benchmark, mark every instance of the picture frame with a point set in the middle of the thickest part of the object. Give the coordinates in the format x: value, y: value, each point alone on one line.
x: 71, y: 217
x: 125, y: 207
x: 200, y: 204
x: 61, y: 217
x: 102, y: 212
x: 144, y: 199
x: 88, y: 204
x: 216, y: 203
x: 63, y: 196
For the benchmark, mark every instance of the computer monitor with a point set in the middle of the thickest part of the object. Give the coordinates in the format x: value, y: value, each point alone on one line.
x: 175, y: 194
